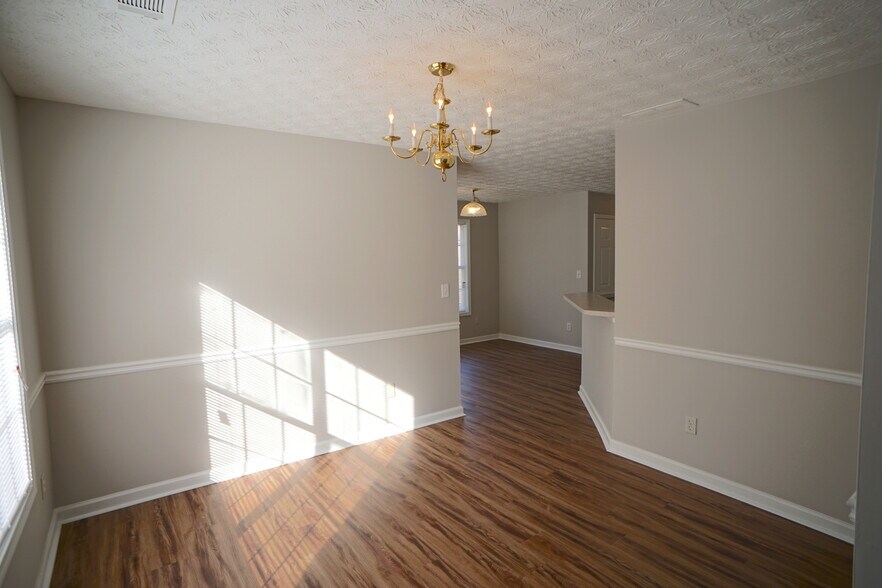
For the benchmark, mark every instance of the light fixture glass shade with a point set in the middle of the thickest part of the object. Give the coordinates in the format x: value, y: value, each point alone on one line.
x: 473, y: 208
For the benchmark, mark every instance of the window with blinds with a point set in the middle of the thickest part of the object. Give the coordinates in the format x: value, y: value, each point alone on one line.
x: 462, y: 247
x: 15, y: 467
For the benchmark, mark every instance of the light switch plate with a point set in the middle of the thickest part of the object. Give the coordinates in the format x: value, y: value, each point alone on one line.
x: 578, y: 274
x: 445, y: 290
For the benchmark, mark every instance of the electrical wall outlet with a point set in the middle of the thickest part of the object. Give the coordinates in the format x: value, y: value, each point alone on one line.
x: 692, y: 425
x: 569, y: 327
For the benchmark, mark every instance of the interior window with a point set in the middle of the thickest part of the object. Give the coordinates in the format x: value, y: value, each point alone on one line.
x: 15, y: 466
x: 463, y: 262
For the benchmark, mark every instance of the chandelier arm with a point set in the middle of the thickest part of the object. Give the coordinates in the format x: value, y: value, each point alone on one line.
x: 428, y: 156
x: 458, y: 148
x: 487, y: 148
x: 413, y: 152
x: 475, y: 153
x: 428, y: 148
x: 399, y: 156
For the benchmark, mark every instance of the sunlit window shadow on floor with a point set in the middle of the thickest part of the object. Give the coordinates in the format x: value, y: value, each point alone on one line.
x: 274, y: 398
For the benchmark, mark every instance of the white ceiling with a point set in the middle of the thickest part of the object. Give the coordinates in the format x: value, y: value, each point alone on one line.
x: 560, y: 74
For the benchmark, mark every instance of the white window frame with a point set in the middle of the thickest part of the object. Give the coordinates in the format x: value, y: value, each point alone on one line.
x: 9, y: 537
x: 467, y: 267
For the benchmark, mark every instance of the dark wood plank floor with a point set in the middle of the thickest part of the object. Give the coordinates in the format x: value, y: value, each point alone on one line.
x: 520, y: 492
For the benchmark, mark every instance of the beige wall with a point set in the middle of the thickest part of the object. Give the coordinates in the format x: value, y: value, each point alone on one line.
x: 484, y: 316
x: 542, y: 243
x: 744, y: 228
x: 868, y: 526
x: 137, y: 211
x: 598, y: 357
x: 22, y: 565
x: 164, y: 238
x: 598, y: 203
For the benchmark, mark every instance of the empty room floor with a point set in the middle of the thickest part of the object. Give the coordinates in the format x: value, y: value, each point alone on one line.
x: 519, y: 492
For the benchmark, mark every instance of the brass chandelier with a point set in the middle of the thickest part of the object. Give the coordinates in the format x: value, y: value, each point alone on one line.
x: 444, y: 145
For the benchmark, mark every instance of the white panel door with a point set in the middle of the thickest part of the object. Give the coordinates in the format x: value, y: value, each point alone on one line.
x: 604, y: 253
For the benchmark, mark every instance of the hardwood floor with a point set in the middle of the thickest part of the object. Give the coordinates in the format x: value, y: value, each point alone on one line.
x: 520, y: 492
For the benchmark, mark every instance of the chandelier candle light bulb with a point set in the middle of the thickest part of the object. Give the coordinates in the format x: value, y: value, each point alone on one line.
x: 444, y: 144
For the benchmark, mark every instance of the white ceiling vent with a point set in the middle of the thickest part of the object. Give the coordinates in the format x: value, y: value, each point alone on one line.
x: 671, y: 106
x: 157, y: 9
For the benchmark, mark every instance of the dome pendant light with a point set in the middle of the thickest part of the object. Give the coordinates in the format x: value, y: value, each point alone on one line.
x: 473, y: 208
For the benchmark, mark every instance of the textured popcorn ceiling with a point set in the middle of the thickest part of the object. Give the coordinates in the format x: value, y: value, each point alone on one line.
x: 560, y: 74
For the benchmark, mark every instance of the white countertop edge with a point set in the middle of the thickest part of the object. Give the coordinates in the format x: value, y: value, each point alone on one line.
x: 590, y: 311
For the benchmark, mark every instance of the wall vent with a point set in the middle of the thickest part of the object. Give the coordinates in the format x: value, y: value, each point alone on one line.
x: 156, y: 9
x: 659, y: 108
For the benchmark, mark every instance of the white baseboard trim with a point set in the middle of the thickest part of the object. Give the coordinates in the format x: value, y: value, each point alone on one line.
x: 239, y: 469
x: 757, y: 363
x: 595, y: 416
x: 762, y: 500
x: 125, y: 498
x: 540, y: 343
x: 47, y: 562
x: 433, y: 418
x: 767, y: 502
x: 481, y: 339
x: 115, y: 369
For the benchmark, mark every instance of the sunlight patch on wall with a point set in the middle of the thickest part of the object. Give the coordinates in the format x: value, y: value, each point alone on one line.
x: 244, y: 440
x: 360, y: 406
x: 259, y: 402
x: 262, y: 407
x: 255, y: 369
